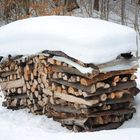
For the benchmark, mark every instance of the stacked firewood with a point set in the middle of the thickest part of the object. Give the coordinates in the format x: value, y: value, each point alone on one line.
x: 48, y: 84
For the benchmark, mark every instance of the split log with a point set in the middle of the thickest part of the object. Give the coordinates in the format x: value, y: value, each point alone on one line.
x: 113, y: 112
x: 23, y: 102
x: 116, y: 79
x: 103, y: 97
x: 13, y: 103
x: 128, y: 98
x: 104, y: 76
x: 124, y: 79
x: 106, y: 86
x: 19, y: 90
x: 104, y: 127
x: 120, y: 86
x: 72, y: 121
x: 65, y: 109
x: 66, y: 77
x: 90, y: 89
x: 133, y: 77
x: 74, y: 99
x: 47, y: 92
x: 27, y: 71
x: 119, y: 94
x: 72, y: 71
x: 71, y: 90
x: 100, y: 85
x: 111, y: 96
x: 77, y: 128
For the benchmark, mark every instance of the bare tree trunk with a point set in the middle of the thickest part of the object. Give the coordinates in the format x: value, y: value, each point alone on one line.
x: 101, y: 7
x: 96, y: 5
x: 91, y: 7
x: 136, y: 15
x: 107, y: 9
x: 6, y: 11
x: 104, y: 9
x: 122, y: 11
x: 71, y: 5
x: 27, y: 6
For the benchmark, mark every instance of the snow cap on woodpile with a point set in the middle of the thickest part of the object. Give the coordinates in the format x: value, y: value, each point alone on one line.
x: 86, y: 39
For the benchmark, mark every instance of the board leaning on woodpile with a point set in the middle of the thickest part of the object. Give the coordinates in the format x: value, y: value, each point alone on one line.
x: 48, y: 84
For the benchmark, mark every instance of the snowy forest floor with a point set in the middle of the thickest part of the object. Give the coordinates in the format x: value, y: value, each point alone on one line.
x: 21, y: 125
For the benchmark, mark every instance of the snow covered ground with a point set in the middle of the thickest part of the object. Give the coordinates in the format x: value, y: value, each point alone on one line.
x: 21, y: 125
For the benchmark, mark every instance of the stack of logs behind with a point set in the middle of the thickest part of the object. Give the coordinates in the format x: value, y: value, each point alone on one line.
x: 80, y: 102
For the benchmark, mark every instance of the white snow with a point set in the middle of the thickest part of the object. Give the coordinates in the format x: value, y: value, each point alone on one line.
x: 77, y: 66
x: 122, y: 66
x: 87, y: 39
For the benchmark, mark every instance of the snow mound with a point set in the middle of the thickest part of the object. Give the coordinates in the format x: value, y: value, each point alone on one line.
x: 87, y: 39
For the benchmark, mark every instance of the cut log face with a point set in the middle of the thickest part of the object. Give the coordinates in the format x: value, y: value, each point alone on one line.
x: 79, y: 101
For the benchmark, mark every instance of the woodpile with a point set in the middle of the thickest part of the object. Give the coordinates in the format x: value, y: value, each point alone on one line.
x: 48, y: 84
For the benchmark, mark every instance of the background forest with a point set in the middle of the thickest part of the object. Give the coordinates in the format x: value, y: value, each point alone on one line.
x: 125, y: 12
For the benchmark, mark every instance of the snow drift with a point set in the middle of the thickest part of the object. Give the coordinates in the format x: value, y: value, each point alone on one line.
x: 77, y: 37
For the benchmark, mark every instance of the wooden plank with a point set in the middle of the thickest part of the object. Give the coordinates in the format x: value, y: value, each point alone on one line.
x: 17, y: 96
x: 66, y: 109
x: 12, y: 84
x: 112, y: 112
x: 7, y: 73
x: 134, y: 91
x: 74, y: 99
x: 109, y: 126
